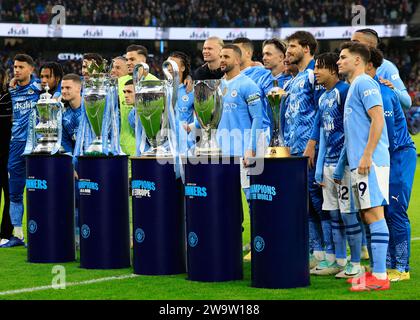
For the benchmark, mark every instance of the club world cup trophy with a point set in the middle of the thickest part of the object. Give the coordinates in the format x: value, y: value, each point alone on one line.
x: 48, y: 128
x: 155, y: 102
x: 208, y: 110
x: 276, y: 148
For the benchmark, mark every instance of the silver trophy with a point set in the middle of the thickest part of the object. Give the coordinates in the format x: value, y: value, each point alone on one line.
x: 49, y: 124
x: 155, y: 102
x: 208, y: 110
x: 277, y: 148
x: 95, y: 90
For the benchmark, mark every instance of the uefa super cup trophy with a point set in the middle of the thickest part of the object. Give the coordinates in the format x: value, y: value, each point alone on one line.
x: 155, y: 104
x: 276, y: 148
x: 49, y: 123
x: 208, y: 110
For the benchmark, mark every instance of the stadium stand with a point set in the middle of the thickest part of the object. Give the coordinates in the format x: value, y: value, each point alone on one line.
x: 209, y: 13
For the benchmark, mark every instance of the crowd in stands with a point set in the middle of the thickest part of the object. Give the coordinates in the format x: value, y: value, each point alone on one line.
x: 407, y: 59
x: 209, y: 13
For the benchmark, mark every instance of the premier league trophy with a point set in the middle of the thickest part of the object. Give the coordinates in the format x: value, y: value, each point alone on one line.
x: 155, y: 104
x: 208, y: 110
x: 102, y: 170
x: 95, y: 90
x: 48, y: 129
x: 276, y: 148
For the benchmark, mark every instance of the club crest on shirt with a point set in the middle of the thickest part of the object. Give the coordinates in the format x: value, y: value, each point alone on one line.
x: 234, y: 93
x: 185, y: 98
x: 30, y: 91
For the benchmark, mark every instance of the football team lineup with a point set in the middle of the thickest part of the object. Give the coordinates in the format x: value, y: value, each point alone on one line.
x: 100, y: 204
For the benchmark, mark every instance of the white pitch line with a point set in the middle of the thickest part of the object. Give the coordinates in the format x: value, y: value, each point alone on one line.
x: 415, y: 239
x: 70, y: 284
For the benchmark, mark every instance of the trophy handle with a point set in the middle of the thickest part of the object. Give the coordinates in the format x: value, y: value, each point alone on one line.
x: 172, y: 80
x: 145, y: 68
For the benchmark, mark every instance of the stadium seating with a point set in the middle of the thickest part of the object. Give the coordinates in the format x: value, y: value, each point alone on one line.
x: 209, y: 13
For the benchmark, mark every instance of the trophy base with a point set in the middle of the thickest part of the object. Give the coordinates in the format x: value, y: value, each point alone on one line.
x: 208, y: 152
x: 157, y: 152
x: 46, y: 148
x: 277, y: 152
x: 95, y: 149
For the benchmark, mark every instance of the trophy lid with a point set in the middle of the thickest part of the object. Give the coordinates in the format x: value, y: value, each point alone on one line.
x: 46, y: 98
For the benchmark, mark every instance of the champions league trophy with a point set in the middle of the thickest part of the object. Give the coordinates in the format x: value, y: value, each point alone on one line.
x: 208, y: 110
x: 276, y: 148
x: 155, y: 102
x: 49, y: 124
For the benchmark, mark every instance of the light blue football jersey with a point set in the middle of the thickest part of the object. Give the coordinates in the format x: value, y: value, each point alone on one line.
x: 364, y: 93
x: 387, y: 70
x: 241, y: 119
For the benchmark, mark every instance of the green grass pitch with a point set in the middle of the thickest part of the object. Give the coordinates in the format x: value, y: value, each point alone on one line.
x: 16, y: 273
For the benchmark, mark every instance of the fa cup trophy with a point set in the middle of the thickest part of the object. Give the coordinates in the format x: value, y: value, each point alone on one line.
x: 276, y: 148
x: 48, y: 129
x: 155, y: 102
x: 208, y: 110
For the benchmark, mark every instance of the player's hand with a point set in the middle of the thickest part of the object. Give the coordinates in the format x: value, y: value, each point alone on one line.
x: 322, y: 184
x: 310, y: 152
x: 76, y: 176
x: 337, y: 181
x: 186, y: 127
x: 386, y: 82
x: 256, y: 64
x: 13, y: 83
x: 248, y: 154
x: 188, y: 83
x: 364, y: 165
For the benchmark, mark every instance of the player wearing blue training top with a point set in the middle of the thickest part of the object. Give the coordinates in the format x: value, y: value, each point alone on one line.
x: 274, y: 57
x: 387, y: 72
x: 274, y: 54
x: 366, y: 143
x: 51, y: 74
x: 71, y: 87
x: 301, y: 110
x: 24, y: 98
x: 403, y: 166
x: 336, y: 198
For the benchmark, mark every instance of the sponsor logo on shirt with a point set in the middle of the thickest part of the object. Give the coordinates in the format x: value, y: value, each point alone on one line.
x: 388, y: 113
x: 370, y: 92
x: 228, y: 107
